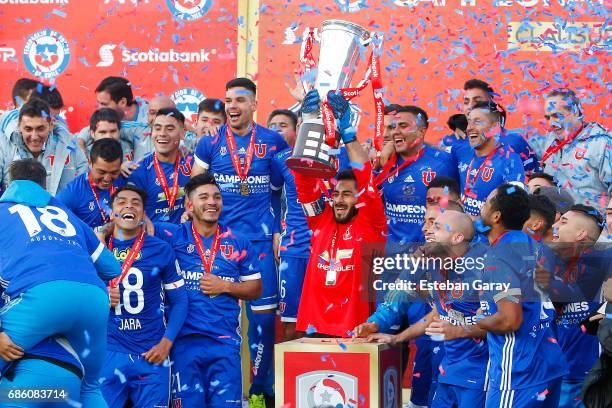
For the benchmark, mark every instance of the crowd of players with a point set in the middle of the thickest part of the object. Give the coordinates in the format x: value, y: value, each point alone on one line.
x: 202, y: 216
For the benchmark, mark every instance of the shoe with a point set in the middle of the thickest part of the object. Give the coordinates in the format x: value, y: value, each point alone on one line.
x: 257, y: 401
x: 270, y: 403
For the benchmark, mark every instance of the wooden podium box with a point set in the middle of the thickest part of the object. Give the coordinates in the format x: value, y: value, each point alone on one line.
x: 347, y: 373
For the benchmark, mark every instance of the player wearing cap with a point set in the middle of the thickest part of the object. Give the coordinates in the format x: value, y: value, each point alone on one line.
x: 220, y: 268
x: 526, y: 363
x: 491, y: 163
x: 139, y: 341
x: 240, y: 159
x: 164, y: 173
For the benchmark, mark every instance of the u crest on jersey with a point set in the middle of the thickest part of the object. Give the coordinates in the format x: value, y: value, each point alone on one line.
x: 186, y: 167
x: 427, y: 176
x: 227, y: 250
x: 260, y: 150
x: 487, y: 173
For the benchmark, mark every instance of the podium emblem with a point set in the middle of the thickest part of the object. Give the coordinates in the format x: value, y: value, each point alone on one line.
x: 325, y: 388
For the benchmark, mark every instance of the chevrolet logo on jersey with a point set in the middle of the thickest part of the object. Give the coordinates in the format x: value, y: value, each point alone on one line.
x: 337, y: 263
x: 122, y: 255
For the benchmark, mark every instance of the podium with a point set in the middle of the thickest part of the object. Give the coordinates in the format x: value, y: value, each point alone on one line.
x: 337, y: 373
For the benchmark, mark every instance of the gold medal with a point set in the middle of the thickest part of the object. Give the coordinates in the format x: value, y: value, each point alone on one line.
x: 244, y: 188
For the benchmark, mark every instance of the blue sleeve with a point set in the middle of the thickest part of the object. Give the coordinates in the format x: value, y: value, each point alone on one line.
x: 68, y: 198
x: 247, y: 264
x: 203, y: 150
x: 276, y: 183
x: 525, y: 152
x: 104, y: 261
x: 277, y: 210
x: 390, y: 314
x: 166, y: 231
x: 516, y: 172
x: 176, y: 294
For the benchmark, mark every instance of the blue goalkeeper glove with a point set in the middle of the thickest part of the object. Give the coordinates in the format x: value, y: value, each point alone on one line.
x: 311, y: 102
x: 342, y: 112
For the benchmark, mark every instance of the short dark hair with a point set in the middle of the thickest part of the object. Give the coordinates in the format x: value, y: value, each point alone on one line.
x: 35, y: 108
x: 513, y: 204
x: 212, y: 105
x: 171, y: 112
x: 544, y: 176
x: 104, y: 115
x: 285, y: 112
x: 391, y: 108
x: 347, y: 174
x: 569, y: 96
x: 117, y: 88
x: 493, y: 108
x: 129, y: 187
x: 416, y: 111
x: 445, y: 182
x: 52, y: 96
x: 28, y: 169
x: 243, y: 83
x: 542, y: 206
x: 22, y: 89
x: 457, y: 121
x: 590, y: 212
x: 200, y: 180
x: 107, y: 149
x: 478, y: 84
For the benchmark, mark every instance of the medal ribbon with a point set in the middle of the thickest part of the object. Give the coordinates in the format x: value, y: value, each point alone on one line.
x: 207, y: 263
x: 93, y: 187
x: 231, y: 145
x: 170, y: 195
x: 386, y: 172
x: 554, y: 148
x: 129, y: 260
x: 469, y: 183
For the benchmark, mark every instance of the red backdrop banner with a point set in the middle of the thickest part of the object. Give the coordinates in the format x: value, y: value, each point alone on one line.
x: 522, y: 48
x: 181, y: 47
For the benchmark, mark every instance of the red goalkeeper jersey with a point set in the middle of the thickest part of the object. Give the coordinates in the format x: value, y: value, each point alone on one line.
x: 335, y: 296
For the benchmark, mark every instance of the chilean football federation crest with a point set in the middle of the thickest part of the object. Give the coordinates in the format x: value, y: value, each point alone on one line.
x: 189, y: 9
x: 187, y: 101
x: 326, y: 389
x: 46, y: 53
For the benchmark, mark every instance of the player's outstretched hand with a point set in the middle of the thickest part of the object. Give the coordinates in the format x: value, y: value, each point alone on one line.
x: 113, y: 296
x: 159, y: 352
x: 127, y: 168
x: 365, y: 329
x: 9, y: 351
x: 212, y: 285
x: 382, y: 338
x: 442, y: 330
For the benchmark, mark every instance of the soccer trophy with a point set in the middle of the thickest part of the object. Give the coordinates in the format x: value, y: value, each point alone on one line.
x: 313, y: 154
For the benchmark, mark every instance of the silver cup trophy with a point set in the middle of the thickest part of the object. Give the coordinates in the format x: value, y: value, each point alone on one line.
x: 338, y: 58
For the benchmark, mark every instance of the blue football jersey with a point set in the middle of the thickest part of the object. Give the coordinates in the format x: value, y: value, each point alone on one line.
x: 137, y: 323
x: 295, y: 237
x: 43, y: 244
x: 250, y: 215
x: 156, y: 206
x: 216, y: 317
x: 504, y: 166
x: 79, y: 198
x: 465, y: 360
x: 404, y: 193
x: 531, y: 355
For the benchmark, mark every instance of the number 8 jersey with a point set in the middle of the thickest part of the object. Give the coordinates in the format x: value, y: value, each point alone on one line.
x: 137, y: 323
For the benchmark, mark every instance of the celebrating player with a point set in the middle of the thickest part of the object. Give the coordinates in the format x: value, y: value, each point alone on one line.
x: 46, y: 296
x: 164, y: 173
x: 136, y: 365
x: 88, y: 195
x: 491, y: 164
x: 240, y: 159
x: 219, y: 268
x: 334, y: 298
x: 58, y: 154
x: 526, y: 363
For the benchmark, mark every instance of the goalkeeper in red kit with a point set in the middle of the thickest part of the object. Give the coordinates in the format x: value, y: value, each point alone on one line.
x: 336, y: 289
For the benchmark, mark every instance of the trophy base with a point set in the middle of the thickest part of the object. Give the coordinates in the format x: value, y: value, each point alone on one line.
x: 311, y: 167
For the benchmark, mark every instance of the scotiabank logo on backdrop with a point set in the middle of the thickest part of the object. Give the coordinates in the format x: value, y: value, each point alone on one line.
x: 46, y: 53
x: 189, y: 9
x: 107, y: 55
x: 187, y: 101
